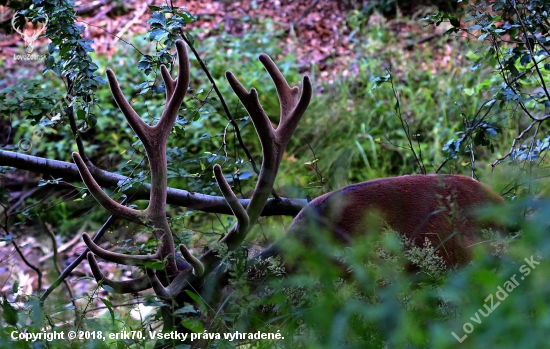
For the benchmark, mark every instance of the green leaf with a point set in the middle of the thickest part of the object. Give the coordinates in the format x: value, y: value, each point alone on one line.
x: 85, y: 278
x: 64, y: 50
x: 157, y: 265
x: 525, y: 59
x: 10, y: 314
x: 15, y: 287
x: 190, y: 38
x: 152, y: 302
x: 193, y: 325
x: 479, y: 138
x: 380, y: 80
x: 185, y: 310
x: 81, y: 114
x: 198, y: 300
x: 100, y: 80
x: 8, y: 239
x: 37, y: 314
x: 158, y: 18
x: 108, y: 288
x: 145, y: 62
x: 157, y: 35
x: 491, y: 132
x: 109, y: 306
x: 91, y: 120
x: 245, y: 175
x: 455, y: 22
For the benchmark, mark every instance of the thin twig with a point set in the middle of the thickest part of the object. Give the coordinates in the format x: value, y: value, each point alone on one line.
x: 318, y: 172
x: 136, y: 18
x: 405, y: 125
x: 84, y: 10
x: 531, y: 51
x: 471, y: 129
x: 222, y: 101
x: 55, y: 261
x: 305, y: 13
x: 130, y: 304
x: 519, y: 137
x: 72, y: 122
x: 28, y: 264
x: 66, y: 245
x: 113, y: 34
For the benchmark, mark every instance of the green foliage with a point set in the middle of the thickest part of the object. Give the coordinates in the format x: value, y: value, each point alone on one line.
x: 513, y: 37
x: 500, y: 295
x: 69, y: 54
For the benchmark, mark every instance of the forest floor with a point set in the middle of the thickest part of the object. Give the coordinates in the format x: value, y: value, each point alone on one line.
x: 315, y: 31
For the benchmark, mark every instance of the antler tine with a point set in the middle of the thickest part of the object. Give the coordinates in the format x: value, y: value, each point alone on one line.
x: 292, y: 107
x: 154, y: 140
x: 175, y: 98
x: 238, y: 210
x: 103, y: 199
x: 169, y: 83
x: 273, y: 145
x: 156, y: 151
x: 198, y: 267
x: 138, y: 260
x: 289, y: 123
x: 141, y: 283
x: 141, y: 129
x: 160, y: 290
x: 287, y: 96
x: 176, y: 286
x: 250, y: 100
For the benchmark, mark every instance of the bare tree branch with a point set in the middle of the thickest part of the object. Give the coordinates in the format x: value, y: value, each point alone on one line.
x: 178, y: 197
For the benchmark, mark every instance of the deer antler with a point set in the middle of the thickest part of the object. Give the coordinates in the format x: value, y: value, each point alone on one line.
x: 273, y: 141
x: 154, y: 141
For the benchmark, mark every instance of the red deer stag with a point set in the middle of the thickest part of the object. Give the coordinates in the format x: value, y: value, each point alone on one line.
x: 408, y: 203
x: 438, y: 207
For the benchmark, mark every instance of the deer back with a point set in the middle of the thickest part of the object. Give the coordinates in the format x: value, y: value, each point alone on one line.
x: 438, y: 207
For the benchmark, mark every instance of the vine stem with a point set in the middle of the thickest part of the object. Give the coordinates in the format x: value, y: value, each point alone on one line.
x: 224, y: 105
x: 222, y: 101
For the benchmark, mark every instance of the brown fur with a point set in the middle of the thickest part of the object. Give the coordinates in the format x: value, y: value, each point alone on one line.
x: 416, y: 206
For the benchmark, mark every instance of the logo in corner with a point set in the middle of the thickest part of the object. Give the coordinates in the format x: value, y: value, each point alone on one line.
x: 29, y: 39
